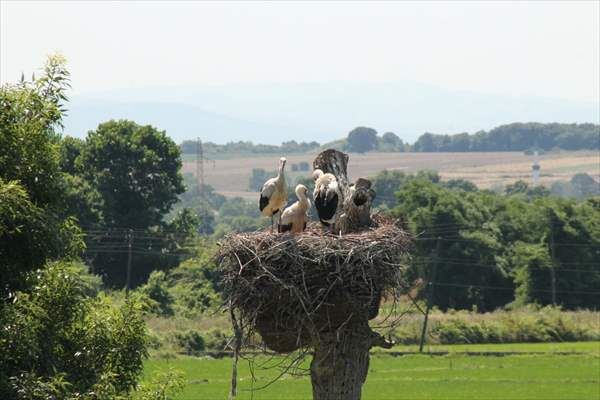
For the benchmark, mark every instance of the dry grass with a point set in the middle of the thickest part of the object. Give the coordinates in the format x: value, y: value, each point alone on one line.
x: 230, y: 177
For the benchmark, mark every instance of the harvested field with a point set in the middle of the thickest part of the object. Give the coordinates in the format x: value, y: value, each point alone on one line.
x: 230, y: 177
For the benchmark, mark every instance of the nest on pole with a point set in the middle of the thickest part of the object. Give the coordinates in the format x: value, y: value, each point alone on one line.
x: 292, y: 288
x: 318, y: 289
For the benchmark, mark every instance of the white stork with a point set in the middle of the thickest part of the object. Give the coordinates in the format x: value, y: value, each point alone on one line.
x: 294, y: 218
x: 328, y: 197
x: 273, y: 195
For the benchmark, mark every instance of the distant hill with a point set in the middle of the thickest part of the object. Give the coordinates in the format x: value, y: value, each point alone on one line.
x: 322, y: 112
x: 181, y: 121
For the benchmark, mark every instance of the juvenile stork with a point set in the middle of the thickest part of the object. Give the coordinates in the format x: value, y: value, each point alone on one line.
x: 328, y: 197
x: 294, y: 218
x: 273, y: 195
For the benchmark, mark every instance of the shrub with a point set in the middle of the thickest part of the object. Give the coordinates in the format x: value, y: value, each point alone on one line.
x: 162, y: 386
x: 58, y: 340
x: 528, y: 324
x: 217, y: 339
x: 191, y: 342
x: 160, y: 300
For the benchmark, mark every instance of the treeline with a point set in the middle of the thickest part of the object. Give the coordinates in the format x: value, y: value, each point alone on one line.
x: 491, y: 250
x: 247, y: 147
x: 515, y: 137
x: 511, y: 137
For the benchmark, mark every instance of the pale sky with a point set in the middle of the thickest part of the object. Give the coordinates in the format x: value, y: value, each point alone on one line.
x: 546, y: 49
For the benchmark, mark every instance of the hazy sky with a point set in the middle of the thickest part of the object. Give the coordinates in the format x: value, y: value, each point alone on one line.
x: 548, y: 49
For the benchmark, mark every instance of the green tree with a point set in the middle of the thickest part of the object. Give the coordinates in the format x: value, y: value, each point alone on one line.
x: 461, y: 184
x: 160, y: 300
x: 390, y: 142
x: 516, y: 137
x: 519, y: 187
x: 59, y: 336
x: 136, y: 169
x: 70, y: 149
x: 30, y: 113
x: 456, y: 224
x: 362, y: 139
x: 80, y: 200
x: 31, y: 229
x: 30, y: 236
x: 584, y: 186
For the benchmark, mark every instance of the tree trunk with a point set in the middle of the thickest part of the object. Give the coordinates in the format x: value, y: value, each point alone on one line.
x: 357, y: 197
x: 340, y: 365
x: 341, y: 359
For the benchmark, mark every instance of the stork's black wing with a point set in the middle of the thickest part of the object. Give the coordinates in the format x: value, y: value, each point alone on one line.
x: 326, y: 207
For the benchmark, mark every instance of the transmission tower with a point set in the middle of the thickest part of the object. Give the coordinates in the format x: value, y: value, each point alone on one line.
x: 200, y: 160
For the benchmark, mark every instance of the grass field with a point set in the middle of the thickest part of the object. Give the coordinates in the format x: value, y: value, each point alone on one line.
x: 230, y: 176
x: 454, y: 376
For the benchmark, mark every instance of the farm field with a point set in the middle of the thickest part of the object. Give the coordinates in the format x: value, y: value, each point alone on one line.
x: 485, y: 169
x: 563, y: 347
x: 454, y: 376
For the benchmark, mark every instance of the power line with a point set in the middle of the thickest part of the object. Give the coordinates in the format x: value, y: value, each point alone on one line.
x: 512, y: 289
x: 481, y: 265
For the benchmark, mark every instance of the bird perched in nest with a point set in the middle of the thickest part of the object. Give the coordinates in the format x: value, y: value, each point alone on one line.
x: 294, y: 218
x: 273, y: 195
x: 328, y: 197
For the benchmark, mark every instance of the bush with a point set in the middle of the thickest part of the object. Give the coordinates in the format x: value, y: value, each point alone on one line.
x: 58, y: 340
x: 159, y: 299
x: 163, y: 386
x: 191, y: 342
x: 528, y: 324
x: 217, y: 339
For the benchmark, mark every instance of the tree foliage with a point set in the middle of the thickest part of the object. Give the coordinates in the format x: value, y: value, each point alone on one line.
x: 494, y: 250
x: 60, y: 331
x: 136, y: 170
x: 31, y: 228
x: 515, y: 137
x: 362, y: 139
x: 247, y: 147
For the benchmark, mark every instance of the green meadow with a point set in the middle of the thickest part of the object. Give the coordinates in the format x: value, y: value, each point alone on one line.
x: 542, y: 371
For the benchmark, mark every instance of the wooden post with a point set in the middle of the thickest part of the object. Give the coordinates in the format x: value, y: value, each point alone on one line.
x: 129, y: 245
x: 430, y: 291
x: 552, y: 267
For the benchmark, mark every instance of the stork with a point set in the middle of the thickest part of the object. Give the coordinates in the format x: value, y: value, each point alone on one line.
x: 273, y: 195
x: 294, y: 218
x: 328, y: 197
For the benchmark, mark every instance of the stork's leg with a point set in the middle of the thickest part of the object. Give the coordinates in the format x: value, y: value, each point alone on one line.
x: 272, y: 222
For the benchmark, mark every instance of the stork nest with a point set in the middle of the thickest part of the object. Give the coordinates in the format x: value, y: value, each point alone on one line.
x: 293, y: 288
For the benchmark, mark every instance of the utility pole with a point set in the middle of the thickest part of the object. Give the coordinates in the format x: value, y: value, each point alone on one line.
x: 129, y: 246
x: 552, y: 270
x: 430, y: 289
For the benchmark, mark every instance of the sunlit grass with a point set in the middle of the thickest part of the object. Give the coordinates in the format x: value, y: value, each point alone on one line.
x: 454, y: 376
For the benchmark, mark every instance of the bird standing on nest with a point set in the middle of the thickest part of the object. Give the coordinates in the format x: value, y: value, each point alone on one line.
x: 328, y: 197
x: 294, y: 218
x: 273, y: 195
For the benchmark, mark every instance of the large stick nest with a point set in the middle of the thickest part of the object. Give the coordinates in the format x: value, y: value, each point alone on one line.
x: 292, y: 288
